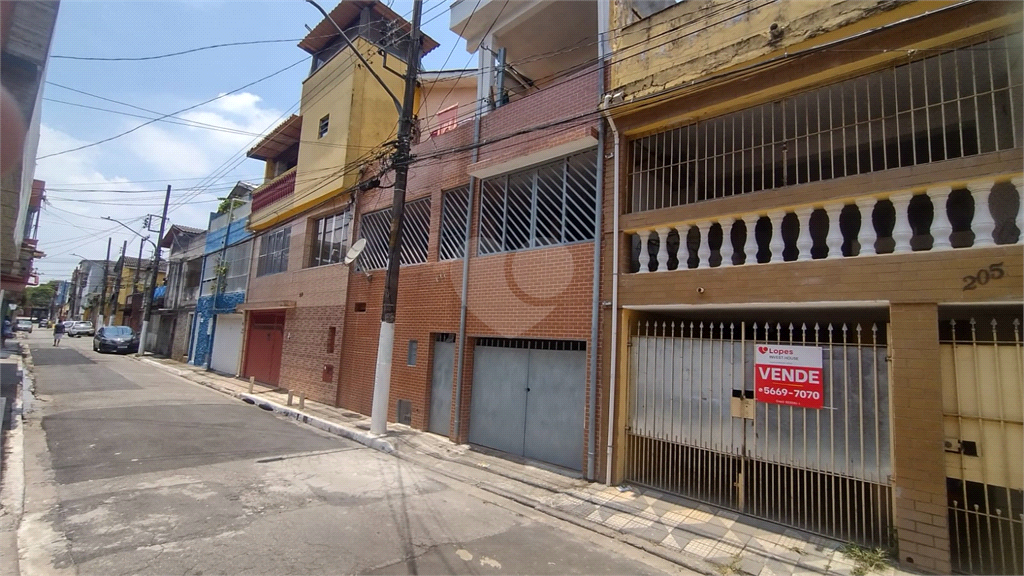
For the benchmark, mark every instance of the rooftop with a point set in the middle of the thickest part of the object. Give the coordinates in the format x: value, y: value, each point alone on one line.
x: 348, y: 12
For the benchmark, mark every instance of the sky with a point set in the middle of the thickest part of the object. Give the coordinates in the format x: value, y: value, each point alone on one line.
x: 126, y: 178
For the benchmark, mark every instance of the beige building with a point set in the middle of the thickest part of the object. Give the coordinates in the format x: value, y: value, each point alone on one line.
x: 832, y: 189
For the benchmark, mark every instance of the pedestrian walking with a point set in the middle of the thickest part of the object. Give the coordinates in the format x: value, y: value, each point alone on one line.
x: 58, y: 332
x: 6, y: 332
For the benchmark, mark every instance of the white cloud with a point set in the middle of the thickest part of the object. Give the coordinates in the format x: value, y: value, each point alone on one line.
x: 154, y: 152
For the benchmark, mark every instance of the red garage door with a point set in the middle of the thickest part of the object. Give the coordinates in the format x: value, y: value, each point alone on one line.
x: 263, y: 350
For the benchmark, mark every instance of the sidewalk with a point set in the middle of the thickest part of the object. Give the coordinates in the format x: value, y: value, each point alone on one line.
x: 694, y: 535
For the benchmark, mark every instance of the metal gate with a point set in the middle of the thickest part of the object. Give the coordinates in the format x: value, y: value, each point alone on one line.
x: 263, y: 349
x: 983, y: 408
x: 442, y: 366
x: 694, y: 427
x: 528, y: 398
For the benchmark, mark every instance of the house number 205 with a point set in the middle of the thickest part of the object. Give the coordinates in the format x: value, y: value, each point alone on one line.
x: 982, y: 277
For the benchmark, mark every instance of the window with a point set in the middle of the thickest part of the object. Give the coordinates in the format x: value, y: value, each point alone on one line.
x: 375, y: 227
x: 273, y: 256
x: 331, y: 334
x: 322, y: 131
x: 544, y: 206
x: 445, y: 120
x: 236, y: 273
x: 411, y: 355
x: 957, y: 104
x: 454, y: 208
x: 227, y: 271
x: 330, y: 240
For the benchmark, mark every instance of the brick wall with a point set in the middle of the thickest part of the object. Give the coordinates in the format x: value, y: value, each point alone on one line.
x: 540, y: 293
x: 305, y: 355
x: 918, y: 459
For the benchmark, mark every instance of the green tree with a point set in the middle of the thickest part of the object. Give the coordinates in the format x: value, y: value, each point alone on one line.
x: 39, y: 296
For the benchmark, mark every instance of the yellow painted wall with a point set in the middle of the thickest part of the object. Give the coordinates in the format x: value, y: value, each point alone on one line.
x: 362, y: 116
x: 692, y: 40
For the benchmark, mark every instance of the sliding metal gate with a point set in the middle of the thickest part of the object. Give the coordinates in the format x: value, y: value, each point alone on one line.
x: 695, y: 429
x: 983, y: 406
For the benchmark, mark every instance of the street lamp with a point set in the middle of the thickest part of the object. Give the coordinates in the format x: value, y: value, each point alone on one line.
x: 129, y: 228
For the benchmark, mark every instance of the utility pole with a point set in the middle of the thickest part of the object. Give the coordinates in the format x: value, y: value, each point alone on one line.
x: 138, y: 268
x: 119, y: 270
x: 98, y: 321
x: 401, y: 160
x: 148, y: 296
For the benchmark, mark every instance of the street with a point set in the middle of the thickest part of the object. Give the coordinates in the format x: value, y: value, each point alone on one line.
x: 131, y: 470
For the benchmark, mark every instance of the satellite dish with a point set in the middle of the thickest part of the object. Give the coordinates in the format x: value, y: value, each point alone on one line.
x: 355, y: 251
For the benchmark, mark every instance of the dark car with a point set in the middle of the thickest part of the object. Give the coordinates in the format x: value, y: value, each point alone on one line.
x: 115, y: 339
x: 44, y: 323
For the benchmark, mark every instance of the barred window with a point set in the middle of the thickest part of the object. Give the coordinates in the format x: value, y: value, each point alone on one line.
x: 237, y: 258
x: 543, y: 206
x: 331, y: 239
x: 956, y: 104
x: 454, y: 211
x: 375, y: 227
x: 273, y: 256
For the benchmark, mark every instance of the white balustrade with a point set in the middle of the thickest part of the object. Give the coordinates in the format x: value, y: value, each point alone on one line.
x: 982, y: 225
x: 941, y: 227
x: 704, y: 247
x: 662, y: 249
x: 645, y: 257
x: 683, y: 253
x: 804, y: 242
x: 750, y: 240
x: 902, y: 231
x: 834, y: 239
x: 1018, y: 183
x: 777, y: 243
x: 866, y: 236
x: 727, y: 242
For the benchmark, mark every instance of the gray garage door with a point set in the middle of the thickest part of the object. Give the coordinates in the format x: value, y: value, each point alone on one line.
x: 528, y: 398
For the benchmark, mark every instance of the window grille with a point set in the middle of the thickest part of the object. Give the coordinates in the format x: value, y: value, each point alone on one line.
x: 544, y: 206
x: 273, y: 256
x: 331, y: 239
x: 237, y: 258
x: 960, y: 103
x: 454, y: 210
x: 375, y: 227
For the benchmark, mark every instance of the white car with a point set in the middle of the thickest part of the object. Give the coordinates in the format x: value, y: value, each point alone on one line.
x: 81, y: 329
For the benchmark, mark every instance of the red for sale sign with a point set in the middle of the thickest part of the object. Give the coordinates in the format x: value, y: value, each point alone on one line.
x: 789, y: 375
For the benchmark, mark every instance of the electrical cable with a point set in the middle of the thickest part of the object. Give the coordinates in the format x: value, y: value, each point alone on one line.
x: 173, y: 113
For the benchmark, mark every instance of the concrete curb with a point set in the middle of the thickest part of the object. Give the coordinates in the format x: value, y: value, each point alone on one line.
x: 364, y: 438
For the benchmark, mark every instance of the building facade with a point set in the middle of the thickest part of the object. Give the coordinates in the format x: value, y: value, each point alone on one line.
x: 217, y: 328
x: 184, y: 278
x: 832, y: 188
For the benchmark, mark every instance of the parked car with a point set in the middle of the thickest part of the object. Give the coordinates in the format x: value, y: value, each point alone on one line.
x: 23, y: 325
x: 44, y: 323
x: 115, y: 339
x: 81, y: 329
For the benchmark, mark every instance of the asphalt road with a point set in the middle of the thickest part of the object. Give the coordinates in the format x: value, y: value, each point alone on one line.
x: 131, y: 470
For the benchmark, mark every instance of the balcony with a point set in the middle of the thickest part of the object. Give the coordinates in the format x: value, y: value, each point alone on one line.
x: 274, y: 193
x: 981, y: 213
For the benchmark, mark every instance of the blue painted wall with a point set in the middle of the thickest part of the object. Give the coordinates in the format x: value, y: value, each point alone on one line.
x: 238, y: 233
x: 206, y: 307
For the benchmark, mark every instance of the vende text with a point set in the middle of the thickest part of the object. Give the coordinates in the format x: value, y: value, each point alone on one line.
x: 789, y: 375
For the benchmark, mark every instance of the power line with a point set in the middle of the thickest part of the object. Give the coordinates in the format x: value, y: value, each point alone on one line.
x: 173, y: 113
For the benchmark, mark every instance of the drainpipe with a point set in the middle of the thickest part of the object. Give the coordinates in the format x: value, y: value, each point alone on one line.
x: 216, y: 287
x: 613, y: 371
x: 596, y: 304
x: 463, y: 311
